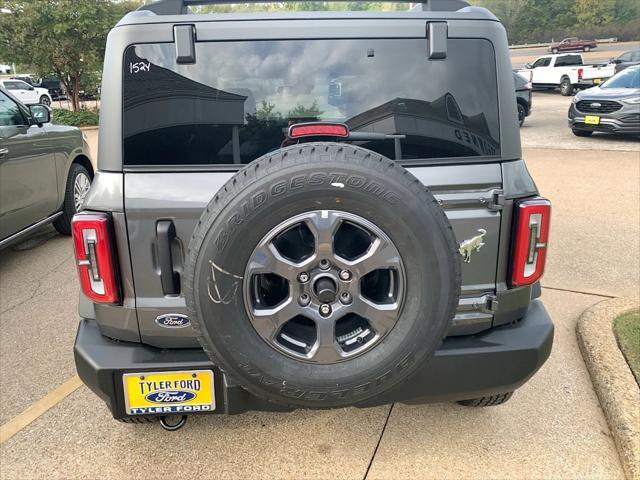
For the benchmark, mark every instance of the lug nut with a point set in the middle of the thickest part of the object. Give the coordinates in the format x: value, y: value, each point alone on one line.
x: 345, y: 298
x: 325, y: 310
x: 345, y: 275
x: 304, y: 300
x: 324, y: 264
x: 303, y: 277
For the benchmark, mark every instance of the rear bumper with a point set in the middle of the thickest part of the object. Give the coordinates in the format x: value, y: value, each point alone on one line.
x: 497, y: 361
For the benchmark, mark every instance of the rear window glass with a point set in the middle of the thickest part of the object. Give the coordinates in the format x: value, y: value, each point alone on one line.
x: 237, y: 102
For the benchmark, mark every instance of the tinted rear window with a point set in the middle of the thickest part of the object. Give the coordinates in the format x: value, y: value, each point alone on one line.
x: 237, y: 102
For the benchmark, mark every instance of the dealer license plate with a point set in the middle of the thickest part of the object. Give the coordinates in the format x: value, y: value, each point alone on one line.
x: 592, y: 120
x: 168, y: 392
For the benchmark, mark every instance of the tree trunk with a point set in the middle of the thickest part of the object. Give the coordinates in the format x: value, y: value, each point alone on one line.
x: 75, y: 93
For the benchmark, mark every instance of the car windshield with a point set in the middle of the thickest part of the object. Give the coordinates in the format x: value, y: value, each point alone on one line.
x: 629, y: 78
x: 238, y: 100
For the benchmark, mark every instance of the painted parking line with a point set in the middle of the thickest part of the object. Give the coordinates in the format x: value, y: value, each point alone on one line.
x: 37, y: 409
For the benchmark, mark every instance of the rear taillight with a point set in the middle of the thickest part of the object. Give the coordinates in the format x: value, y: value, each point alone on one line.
x: 93, y: 242
x: 530, y: 240
x: 580, y: 72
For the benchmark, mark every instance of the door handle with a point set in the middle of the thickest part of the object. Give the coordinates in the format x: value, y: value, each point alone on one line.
x: 169, y: 278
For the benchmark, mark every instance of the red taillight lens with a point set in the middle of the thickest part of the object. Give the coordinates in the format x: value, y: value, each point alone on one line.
x: 318, y: 129
x: 530, y: 240
x: 95, y: 257
x: 580, y: 72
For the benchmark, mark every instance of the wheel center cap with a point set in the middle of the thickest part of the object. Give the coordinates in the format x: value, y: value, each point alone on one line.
x: 325, y: 289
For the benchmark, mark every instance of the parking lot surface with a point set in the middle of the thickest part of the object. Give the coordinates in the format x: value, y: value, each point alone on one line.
x: 553, y: 427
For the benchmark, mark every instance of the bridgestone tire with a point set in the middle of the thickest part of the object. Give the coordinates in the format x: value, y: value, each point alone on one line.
x: 311, y: 177
x: 491, y: 401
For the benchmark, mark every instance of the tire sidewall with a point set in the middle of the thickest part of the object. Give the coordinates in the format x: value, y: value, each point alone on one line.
x: 232, y: 233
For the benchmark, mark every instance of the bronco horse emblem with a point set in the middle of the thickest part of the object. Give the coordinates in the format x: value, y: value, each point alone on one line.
x: 467, y: 247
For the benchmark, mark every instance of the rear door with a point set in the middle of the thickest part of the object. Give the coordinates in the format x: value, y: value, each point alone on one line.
x: 188, y: 128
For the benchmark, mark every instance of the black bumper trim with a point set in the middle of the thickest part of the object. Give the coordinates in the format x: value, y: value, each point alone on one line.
x: 496, y: 361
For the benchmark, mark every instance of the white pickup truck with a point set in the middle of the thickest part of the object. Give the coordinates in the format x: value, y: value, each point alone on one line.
x: 567, y: 71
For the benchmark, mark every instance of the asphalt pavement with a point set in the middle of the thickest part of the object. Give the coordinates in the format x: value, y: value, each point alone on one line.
x: 552, y: 428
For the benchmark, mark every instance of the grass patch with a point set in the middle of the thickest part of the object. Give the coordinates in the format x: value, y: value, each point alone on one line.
x: 85, y: 117
x: 627, y: 330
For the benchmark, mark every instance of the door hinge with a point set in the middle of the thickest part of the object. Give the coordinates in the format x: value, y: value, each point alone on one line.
x: 495, y: 200
x: 185, y: 38
x: 488, y: 304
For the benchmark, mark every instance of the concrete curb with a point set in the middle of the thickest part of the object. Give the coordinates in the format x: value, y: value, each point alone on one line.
x: 89, y: 128
x: 612, y: 379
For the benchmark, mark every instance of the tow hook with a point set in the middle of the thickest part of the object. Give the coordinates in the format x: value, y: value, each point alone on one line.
x: 172, y: 427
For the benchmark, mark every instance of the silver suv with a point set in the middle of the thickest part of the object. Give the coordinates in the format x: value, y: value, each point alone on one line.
x: 309, y: 209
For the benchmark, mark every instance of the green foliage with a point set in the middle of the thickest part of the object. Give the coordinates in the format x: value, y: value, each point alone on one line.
x: 627, y: 331
x: 61, y: 37
x: 301, y: 111
x: 83, y: 117
x: 531, y: 21
x: 265, y: 111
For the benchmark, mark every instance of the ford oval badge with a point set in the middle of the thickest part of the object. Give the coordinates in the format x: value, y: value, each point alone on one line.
x: 173, y: 320
x: 170, y: 396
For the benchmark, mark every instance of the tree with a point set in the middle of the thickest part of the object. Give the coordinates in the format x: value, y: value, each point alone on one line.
x: 590, y: 13
x: 62, y: 37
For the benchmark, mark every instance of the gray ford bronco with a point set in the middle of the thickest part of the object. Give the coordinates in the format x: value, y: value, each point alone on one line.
x: 308, y: 210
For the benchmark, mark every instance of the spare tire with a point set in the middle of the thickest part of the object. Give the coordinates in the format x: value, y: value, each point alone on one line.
x: 321, y: 275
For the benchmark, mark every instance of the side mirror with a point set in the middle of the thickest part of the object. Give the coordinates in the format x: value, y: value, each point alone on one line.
x: 528, y: 66
x: 30, y: 88
x: 40, y: 114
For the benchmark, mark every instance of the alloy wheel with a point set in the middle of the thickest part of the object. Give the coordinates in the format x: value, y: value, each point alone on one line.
x: 324, y: 286
x: 81, y: 186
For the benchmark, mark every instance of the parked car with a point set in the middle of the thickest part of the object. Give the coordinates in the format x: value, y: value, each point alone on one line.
x: 567, y: 71
x: 55, y: 87
x: 222, y: 272
x: 27, y: 94
x: 28, y: 79
x: 612, y: 107
x: 45, y: 170
x: 572, y: 44
x: 524, y: 96
x: 626, y: 59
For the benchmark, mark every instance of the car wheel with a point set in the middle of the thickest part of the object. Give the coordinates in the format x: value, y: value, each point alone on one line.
x: 566, y: 89
x: 491, y: 401
x: 581, y: 133
x: 554, y: 50
x: 78, y: 184
x: 322, y: 275
x: 522, y: 113
x: 44, y: 100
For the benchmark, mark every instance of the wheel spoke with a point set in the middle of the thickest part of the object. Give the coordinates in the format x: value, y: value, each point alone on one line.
x: 326, y: 349
x: 268, y: 321
x: 381, y: 316
x: 381, y: 254
x: 323, y: 225
x: 267, y: 259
